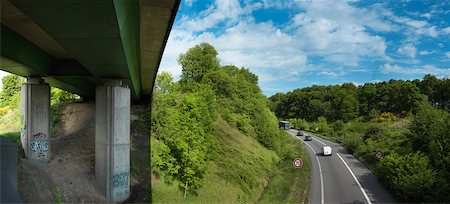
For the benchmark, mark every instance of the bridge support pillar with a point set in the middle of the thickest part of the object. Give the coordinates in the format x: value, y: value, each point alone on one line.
x: 112, y: 140
x: 35, y: 119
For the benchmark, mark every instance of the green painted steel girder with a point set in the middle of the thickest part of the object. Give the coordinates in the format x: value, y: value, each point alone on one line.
x: 21, y: 57
x: 127, y: 13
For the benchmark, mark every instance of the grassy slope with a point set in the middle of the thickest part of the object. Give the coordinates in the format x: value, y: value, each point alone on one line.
x: 240, y: 174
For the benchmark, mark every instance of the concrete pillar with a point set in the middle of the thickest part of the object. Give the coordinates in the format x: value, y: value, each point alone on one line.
x: 112, y: 140
x: 35, y: 119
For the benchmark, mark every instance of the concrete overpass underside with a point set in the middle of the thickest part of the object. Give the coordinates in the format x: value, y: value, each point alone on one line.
x: 107, y: 50
x: 77, y: 45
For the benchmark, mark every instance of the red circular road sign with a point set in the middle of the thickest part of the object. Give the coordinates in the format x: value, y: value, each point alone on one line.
x: 297, y: 163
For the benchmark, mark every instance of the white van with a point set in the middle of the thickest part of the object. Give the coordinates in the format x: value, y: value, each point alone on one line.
x: 326, y: 150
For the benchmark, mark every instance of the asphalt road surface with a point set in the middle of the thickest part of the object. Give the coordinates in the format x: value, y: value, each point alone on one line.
x: 341, y: 178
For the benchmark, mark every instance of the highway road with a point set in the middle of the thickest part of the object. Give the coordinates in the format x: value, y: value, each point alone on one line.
x: 340, y: 178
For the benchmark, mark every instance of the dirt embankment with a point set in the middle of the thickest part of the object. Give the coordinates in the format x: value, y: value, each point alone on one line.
x: 72, y: 164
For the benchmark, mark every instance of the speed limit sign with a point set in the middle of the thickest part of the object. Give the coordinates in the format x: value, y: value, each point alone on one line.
x: 297, y: 163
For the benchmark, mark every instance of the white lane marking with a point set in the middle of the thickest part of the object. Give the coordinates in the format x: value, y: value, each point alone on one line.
x: 320, y: 172
x: 319, y: 141
x: 354, y: 177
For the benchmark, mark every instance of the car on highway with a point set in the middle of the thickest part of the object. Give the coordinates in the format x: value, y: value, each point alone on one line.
x: 300, y: 133
x: 308, y: 138
x: 326, y: 151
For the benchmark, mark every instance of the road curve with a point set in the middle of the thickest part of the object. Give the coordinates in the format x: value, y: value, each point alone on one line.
x: 340, y: 178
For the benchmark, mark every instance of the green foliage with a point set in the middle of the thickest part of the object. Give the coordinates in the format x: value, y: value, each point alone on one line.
x: 322, y: 125
x: 164, y: 82
x: 10, y: 89
x: 197, y: 62
x: 57, y: 195
x: 410, y: 176
x: 184, y: 126
x: 303, y: 124
x: 183, y: 120
x: 347, y: 102
x: 59, y: 96
x: 429, y: 133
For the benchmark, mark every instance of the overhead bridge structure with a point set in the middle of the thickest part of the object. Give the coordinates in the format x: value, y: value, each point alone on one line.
x: 107, y: 50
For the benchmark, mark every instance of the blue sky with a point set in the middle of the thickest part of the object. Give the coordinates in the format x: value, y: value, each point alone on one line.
x: 295, y: 43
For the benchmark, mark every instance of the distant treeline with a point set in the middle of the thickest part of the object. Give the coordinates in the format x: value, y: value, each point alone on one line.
x: 348, y: 101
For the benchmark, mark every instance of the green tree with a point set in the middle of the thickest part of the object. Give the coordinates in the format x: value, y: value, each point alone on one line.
x: 197, y: 62
x: 10, y: 93
x: 164, y: 82
x: 409, y: 176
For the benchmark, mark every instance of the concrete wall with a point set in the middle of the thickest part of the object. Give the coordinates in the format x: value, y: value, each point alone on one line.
x: 112, y: 141
x: 35, y: 120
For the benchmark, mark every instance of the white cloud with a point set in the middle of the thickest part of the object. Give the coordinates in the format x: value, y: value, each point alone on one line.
x: 331, y: 74
x: 408, y: 50
x: 426, y: 15
x: 416, y: 27
x: 446, y: 30
x: 220, y: 11
x: 337, y: 34
x: 426, y: 69
x: 447, y: 54
x: 189, y: 2
x: 426, y: 52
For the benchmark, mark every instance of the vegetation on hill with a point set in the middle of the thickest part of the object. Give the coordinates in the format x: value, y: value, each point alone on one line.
x: 215, y: 139
x: 408, y: 121
x: 10, y: 105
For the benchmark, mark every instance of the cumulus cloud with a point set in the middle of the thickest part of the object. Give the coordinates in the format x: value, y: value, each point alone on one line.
x: 426, y: 52
x: 334, y: 31
x: 408, y: 50
x: 318, y: 37
x: 446, y: 30
x: 331, y: 74
x: 220, y: 11
x: 416, y: 27
x: 426, y: 69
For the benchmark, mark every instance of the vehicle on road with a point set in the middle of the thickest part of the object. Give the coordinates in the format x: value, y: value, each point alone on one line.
x: 326, y: 150
x: 300, y: 133
x: 308, y: 138
x: 285, y: 125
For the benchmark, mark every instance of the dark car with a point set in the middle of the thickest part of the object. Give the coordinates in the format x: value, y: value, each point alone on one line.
x: 308, y: 138
x: 300, y: 133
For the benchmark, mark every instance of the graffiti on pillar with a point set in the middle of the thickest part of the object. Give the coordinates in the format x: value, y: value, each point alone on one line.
x: 39, y: 136
x: 120, y: 179
x: 41, y: 155
x: 39, y: 142
x: 23, y: 126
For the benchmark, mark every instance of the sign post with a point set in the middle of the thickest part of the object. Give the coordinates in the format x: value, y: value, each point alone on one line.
x: 298, y: 163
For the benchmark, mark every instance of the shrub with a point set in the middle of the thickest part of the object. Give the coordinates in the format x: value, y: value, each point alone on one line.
x: 303, y: 124
x: 322, y: 125
x: 409, y: 176
x: 387, y: 116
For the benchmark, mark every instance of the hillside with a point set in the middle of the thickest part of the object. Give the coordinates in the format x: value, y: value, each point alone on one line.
x: 241, y: 172
x: 214, y: 138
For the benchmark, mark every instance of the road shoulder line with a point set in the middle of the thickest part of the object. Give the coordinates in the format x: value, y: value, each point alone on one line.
x: 320, y: 173
x: 354, y: 177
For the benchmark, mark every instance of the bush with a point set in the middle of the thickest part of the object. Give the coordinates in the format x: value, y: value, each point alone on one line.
x: 410, y: 176
x: 322, y: 125
x: 352, y: 143
x: 386, y: 116
x: 303, y: 124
